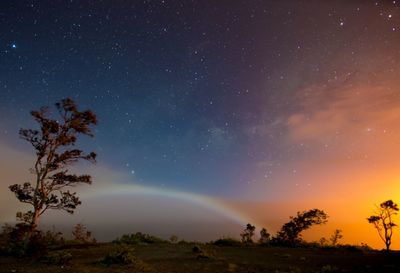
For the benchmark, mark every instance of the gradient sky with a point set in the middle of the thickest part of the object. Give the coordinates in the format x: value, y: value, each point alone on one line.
x: 263, y: 105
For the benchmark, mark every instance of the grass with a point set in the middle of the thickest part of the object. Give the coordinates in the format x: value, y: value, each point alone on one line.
x: 176, y: 258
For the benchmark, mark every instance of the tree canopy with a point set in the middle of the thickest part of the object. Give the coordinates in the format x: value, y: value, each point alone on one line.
x: 290, y: 233
x: 54, y: 144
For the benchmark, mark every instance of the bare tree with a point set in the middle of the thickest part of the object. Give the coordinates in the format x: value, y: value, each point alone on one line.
x: 53, y: 143
x: 383, y: 221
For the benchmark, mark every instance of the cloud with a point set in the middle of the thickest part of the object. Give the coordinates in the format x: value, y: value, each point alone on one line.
x: 349, y: 111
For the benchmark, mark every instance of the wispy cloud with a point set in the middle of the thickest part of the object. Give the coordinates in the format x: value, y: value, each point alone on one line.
x: 348, y: 111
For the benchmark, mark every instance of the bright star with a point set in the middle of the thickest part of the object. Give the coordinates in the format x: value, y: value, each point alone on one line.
x: 13, y: 45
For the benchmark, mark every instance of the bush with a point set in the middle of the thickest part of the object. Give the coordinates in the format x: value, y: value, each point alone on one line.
x: 121, y: 256
x: 351, y: 248
x: 173, y: 239
x: 125, y: 256
x: 196, y: 249
x: 138, y: 238
x: 20, y: 241
x: 5, y: 238
x: 53, y: 238
x: 60, y: 258
x: 227, y: 242
x: 202, y: 253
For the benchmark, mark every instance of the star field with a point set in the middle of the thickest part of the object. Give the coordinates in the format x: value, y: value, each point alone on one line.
x: 235, y: 98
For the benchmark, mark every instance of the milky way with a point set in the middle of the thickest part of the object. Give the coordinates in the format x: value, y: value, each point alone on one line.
x: 250, y: 100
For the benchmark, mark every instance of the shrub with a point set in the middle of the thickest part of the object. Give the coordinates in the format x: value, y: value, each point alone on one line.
x: 53, y: 238
x: 20, y: 241
x: 173, y: 239
x: 227, y: 242
x: 202, y: 253
x: 60, y: 258
x: 336, y: 236
x: 120, y: 256
x: 125, y: 256
x: 138, y: 238
x: 196, y: 249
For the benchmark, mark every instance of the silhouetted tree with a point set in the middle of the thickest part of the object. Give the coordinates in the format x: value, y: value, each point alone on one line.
x: 336, y: 236
x: 248, y: 234
x: 265, y: 237
x: 322, y: 241
x: 290, y: 233
x: 383, y: 221
x: 53, y: 143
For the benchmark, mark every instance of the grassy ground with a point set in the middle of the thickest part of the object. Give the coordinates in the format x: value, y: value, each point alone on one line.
x: 181, y: 258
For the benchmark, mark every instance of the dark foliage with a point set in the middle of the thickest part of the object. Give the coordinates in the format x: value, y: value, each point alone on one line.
x: 138, y: 238
x: 227, y: 242
x: 20, y: 241
x: 383, y: 221
x: 265, y: 237
x: 60, y: 258
x: 290, y: 233
x: 196, y: 249
x: 336, y: 236
x: 53, y: 143
x: 123, y: 255
x: 126, y: 256
x: 247, y: 234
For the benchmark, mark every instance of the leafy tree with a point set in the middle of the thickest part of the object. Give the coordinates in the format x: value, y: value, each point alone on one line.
x: 81, y: 234
x: 248, y: 234
x: 53, y: 143
x: 336, y: 236
x: 290, y: 233
x: 265, y: 237
x: 383, y: 221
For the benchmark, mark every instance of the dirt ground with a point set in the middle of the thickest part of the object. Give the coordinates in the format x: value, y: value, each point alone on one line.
x: 181, y: 258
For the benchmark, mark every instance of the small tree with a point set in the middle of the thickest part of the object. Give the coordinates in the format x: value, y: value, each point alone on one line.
x: 383, y: 221
x: 336, y: 236
x: 322, y: 241
x: 265, y: 237
x: 173, y: 239
x: 290, y: 233
x: 248, y: 234
x: 53, y: 143
x: 81, y: 234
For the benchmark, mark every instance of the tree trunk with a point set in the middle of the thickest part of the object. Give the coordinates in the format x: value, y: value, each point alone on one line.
x: 388, y: 242
x: 35, y: 220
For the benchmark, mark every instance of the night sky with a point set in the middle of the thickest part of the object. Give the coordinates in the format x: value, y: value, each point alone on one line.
x: 246, y: 101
